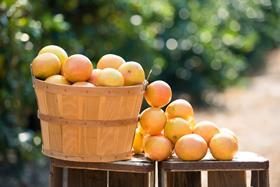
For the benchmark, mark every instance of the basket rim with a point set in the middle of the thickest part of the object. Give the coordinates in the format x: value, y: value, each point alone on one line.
x: 35, y: 80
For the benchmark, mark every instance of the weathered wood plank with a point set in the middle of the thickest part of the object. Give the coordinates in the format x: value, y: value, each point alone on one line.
x: 55, y: 176
x: 137, y: 165
x: 255, y: 178
x: 184, y: 179
x: 226, y: 179
x: 243, y: 161
x: 86, y: 178
x: 121, y: 179
x: 264, y: 178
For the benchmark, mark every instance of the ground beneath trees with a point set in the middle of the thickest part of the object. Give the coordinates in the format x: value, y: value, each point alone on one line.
x: 253, y: 113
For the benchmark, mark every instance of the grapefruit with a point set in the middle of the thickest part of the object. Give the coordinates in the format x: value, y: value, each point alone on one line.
x: 77, y: 68
x: 206, y: 129
x: 141, y: 130
x: 58, y: 51
x: 57, y: 79
x: 226, y: 130
x: 179, y: 108
x: 45, y: 65
x: 133, y: 73
x: 158, y: 94
x: 138, y: 142
x: 153, y: 120
x: 109, y: 77
x: 158, y: 148
x: 93, y: 76
x: 223, y: 146
x: 176, y: 128
x: 191, y: 147
x: 110, y: 61
x: 83, y: 84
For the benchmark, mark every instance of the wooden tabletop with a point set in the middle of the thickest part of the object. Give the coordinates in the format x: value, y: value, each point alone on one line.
x: 242, y: 161
x: 138, y: 164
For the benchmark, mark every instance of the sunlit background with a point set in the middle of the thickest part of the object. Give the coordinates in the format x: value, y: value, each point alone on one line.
x: 219, y: 54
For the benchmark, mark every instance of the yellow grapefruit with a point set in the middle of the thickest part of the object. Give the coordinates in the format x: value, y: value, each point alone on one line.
x: 223, y: 146
x: 45, y: 65
x: 176, y: 128
x: 133, y: 73
x: 158, y: 94
x: 191, y: 147
x: 110, y: 61
x: 158, y: 148
x: 206, y: 129
x: 153, y: 120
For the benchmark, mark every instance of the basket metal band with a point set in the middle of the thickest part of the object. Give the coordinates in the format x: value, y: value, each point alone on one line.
x: 60, y: 120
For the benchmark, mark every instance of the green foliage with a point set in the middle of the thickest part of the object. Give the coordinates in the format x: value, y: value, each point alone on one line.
x: 193, y: 45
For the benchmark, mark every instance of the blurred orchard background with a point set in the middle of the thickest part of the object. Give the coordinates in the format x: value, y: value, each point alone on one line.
x: 219, y: 54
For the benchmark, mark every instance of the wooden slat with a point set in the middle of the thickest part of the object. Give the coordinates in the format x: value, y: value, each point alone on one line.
x: 121, y: 179
x: 55, y: 176
x: 243, y: 161
x: 182, y: 179
x: 86, y: 178
x: 255, y: 179
x: 137, y: 165
x: 264, y: 178
x: 226, y: 179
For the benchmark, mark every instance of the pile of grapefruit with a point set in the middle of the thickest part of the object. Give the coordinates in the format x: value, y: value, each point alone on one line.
x: 160, y: 133
x: 54, y: 66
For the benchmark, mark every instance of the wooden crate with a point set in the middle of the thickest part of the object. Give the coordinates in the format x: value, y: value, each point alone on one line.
x: 137, y: 172
x: 83, y: 124
x: 177, y: 173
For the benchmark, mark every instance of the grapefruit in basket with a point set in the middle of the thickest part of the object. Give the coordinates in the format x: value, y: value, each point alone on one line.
x: 57, y: 79
x: 45, y: 65
x: 110, y: 61
x: 93, y: 76
x: 58, y: 51
x: 109, y: 77
x: 77, y: 68
x: 133, y: 73
x: 83, y: 84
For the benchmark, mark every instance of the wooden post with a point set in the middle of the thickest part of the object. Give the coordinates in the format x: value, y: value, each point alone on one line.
x: 260, y: 178
x: 227, y: 178
x: 56, y: 176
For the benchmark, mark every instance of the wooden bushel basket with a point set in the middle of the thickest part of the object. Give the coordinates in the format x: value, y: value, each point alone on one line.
x: 88, y: 124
